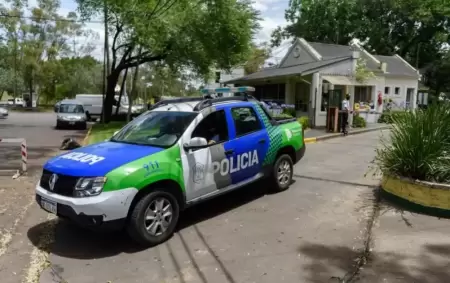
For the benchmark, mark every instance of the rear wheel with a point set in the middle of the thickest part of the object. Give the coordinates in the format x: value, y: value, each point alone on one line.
x: 282, y: 173
x: 153, y: 218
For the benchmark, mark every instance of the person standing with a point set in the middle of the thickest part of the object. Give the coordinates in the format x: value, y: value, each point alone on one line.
x: 346, y: 110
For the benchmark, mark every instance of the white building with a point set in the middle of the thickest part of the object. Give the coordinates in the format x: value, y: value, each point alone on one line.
x: 311, y: 72
x: 221, y: 76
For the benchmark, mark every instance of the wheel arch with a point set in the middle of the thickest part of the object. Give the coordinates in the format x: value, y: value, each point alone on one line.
x: 167, y: 185
x: 289, y: 150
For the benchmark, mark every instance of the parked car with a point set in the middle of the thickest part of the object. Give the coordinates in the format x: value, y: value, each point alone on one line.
x: 70, y: 113
x: 181, y: 152
x: 3, y: 112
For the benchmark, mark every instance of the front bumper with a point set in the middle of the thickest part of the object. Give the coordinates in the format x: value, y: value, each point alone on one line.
x: 3, y: 115
x: 107, y: 210
x: 75, y: 123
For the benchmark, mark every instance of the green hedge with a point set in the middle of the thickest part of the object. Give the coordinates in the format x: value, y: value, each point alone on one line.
x: 304, y: 121
x: 388, y: 116
x: 359, y: 122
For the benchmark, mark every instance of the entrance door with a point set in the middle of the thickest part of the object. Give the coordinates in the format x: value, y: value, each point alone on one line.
x: 199, y: 165
x: 409, y: 97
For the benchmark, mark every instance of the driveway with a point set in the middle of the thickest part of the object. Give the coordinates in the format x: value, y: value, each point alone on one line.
x: 311, y: 233
x: 19, y: 259
x: 39, y: 131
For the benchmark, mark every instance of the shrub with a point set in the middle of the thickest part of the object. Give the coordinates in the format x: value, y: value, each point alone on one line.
x: 359, y: 122
x: 386, y: 117
x: 304, y: 121
x: 419, y: 145
x: 289, y: 110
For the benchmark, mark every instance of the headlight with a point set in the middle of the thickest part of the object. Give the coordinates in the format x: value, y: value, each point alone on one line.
x: 88, y: 187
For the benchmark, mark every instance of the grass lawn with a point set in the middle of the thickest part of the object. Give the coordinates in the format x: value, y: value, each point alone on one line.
x: 100, y: 132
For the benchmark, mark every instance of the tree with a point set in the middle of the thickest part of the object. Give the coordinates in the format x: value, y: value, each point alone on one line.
x: 437, y: 76
x: 415, y: 29
x: 180, y: 33
x: 35, y: 45
x: 258, y: 55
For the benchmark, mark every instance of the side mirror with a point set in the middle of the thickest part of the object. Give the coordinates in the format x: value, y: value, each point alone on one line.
x: 196, y: 143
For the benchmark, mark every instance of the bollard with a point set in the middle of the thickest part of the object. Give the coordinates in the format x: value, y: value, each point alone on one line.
x: 23, y: 150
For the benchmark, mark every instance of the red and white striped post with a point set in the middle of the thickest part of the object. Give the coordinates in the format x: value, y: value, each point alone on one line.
x: 23, y: 150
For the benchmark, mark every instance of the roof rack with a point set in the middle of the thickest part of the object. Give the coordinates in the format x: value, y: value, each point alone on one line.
x: 209, y: 102
x: 176, y: 100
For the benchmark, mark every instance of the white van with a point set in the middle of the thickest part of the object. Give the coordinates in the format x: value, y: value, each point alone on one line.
x: 93, y: 104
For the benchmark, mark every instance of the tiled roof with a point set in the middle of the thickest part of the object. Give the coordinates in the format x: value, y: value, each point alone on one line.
x: 396, y: 66
x: 298, y: 69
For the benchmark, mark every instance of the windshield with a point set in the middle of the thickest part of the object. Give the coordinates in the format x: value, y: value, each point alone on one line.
x: 156, y: 128
x: 71, y: 108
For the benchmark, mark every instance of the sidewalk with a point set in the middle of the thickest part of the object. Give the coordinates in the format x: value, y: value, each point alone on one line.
x: 314, y: 135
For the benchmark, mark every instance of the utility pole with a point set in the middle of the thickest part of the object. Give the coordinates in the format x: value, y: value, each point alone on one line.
x: 105, y: 59
x: 15, y: 69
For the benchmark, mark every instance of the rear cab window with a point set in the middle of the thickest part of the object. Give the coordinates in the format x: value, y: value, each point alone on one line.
x: 245, y: 120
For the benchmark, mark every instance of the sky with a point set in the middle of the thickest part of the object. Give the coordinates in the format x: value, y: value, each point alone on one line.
x: 272, y: 14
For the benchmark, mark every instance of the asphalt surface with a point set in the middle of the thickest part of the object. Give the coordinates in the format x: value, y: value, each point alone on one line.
x: 317, y: 231
x: 41, y: 136
x: 310, y: 233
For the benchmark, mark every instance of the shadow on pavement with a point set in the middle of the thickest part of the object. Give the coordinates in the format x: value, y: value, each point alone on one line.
x: 72, y: 241
x: 382, y: 266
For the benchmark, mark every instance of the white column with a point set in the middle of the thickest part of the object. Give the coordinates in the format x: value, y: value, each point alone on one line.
x: 289, y: 92
x: 351, y: 92
x: 315, y: 92
x: 414, y: 98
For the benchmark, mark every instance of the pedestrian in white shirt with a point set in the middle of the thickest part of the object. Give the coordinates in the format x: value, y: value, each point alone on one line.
x: 346, y: 110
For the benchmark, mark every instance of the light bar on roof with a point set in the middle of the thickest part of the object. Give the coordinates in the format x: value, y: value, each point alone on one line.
x: 228, y: 89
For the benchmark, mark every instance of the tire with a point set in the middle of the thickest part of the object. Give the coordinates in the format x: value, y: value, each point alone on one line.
x: 283, y: 184
x: 136, y: 226
x: 58, y: 126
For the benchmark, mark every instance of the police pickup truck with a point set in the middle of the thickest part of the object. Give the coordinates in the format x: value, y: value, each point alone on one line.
x: 180, y: 152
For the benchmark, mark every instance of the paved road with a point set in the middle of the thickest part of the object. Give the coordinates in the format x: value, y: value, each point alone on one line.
x: 314, y: 232
x: 39, y: 132
x: 246, y: 236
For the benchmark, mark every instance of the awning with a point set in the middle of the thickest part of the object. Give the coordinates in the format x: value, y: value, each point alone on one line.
x: 342, y: 80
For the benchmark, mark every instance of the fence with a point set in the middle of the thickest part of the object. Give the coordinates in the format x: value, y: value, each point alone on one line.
x: 23, y: 150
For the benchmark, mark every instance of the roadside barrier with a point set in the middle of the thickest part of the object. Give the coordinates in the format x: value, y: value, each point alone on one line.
x: 23, y: 150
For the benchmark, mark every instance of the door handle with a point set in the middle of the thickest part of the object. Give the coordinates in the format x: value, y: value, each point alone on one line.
x: 262, y: 141
x: 230, y: 151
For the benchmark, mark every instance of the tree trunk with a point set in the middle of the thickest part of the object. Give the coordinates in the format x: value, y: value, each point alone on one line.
x: 122, y: 89
x: 109, y: 98
x: 133, y: 92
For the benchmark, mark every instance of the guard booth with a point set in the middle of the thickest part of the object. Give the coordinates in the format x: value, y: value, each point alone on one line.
x: 333, y: 122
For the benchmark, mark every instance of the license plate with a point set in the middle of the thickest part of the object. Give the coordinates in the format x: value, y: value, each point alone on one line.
x: 49, y: 205
x: 71, y: 123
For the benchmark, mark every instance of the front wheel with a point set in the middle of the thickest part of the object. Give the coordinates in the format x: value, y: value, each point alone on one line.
x: 282, y: 173
x: 153, y: 218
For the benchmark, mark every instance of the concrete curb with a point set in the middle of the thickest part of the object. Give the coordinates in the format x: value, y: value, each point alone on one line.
x: 337, y: 135
x: 85, y: 140
x: 430, y: 198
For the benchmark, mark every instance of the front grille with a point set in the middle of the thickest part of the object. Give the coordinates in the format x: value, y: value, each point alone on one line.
x: 64, y: 185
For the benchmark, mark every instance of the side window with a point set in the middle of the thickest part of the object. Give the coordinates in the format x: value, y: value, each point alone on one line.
x: 213, y: 128
x: 245, y: 120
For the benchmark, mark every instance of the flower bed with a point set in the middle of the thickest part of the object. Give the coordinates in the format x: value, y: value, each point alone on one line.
x: 418, y: 150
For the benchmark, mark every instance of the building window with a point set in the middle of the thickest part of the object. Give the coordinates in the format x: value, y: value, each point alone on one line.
x: 397, y: 90
x: 363, y: 94
x: 386, y: 90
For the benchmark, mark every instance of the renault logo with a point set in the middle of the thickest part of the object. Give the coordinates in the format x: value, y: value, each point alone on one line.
x: 52, y: 181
